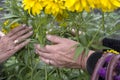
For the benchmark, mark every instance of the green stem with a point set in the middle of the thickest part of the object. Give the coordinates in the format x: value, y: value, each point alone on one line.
x: 51, y: 72
x: 41, y: 39
x: 32, y: 74
x: 77, y: 33
x: 31, y: 62
x: 58, y: 72
x: 103, y: 22
x: 93, y: 37
x: 42, y: 36
x: 103, y: 28
x: 46, y: 74
x: 81, y: 16
x: 77, y: 26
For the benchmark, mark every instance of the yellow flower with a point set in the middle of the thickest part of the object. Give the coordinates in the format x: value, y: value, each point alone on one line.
x: 33, y: 6
x: 73, y: 5
x: 77, y: 5
x: 54, y: 7
x: 87, y: 5
x: 97, y: 4
x: 6, y: 22
x: 92, y: 3
x: 5, y: 28
x: 61, y: 17
x: 107, y: 6
x: 115, y: 3
x: 14, y: 25
x: 112, y: 51
x: 4, y: 31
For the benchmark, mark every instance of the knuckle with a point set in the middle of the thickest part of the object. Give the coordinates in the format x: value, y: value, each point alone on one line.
x: 55, y: 49
x: 56, y: 56
x: 55, y: 39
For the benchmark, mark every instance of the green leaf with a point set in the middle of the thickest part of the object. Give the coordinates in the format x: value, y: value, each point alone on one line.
x: 86, y: 51
x: 9, y: 16
x: 14, y: 21
x: 78, y: 51
x: 37, y: 75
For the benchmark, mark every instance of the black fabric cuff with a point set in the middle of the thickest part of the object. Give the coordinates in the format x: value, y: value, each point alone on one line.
x: 0, y: 67
x: 112, y: 43
x: 92, y: 60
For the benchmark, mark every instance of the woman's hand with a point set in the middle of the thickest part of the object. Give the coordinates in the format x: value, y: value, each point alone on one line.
x: 14, y: 41
x: 61, y: 53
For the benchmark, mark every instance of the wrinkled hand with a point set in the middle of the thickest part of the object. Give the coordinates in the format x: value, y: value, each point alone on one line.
x: 61, y: 53
x: 14, y: 41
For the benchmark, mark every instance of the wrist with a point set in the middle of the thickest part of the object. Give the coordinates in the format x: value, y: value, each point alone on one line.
x: 82, y: 60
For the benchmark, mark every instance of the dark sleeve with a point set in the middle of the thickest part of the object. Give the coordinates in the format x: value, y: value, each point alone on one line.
x: 0, y: 67
x: 112, y: 43
x: 92, y: 60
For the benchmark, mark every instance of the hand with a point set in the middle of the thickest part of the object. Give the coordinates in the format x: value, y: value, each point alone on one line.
x: 61, y: 53
x: 14, y: 41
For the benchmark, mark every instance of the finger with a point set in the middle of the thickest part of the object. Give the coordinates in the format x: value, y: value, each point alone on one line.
x: 52, y: 48
x: 22, y: 38
x: 19, y: 46
x: 8, y: 54
x: 2, y: 59
x: 12, y: 32
x: 22, y: 32
x: 58, y: 62
x: 45, y: 60
x: 42, y: 49
x: 58, y: 47
x: 45, y: 55
x: 55, y: 39
x: 49, y: 62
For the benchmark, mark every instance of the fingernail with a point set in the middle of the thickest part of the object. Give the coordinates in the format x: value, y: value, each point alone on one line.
x: 35, y: 45
x: 47, y: 46
x: 30, y: 27
x: 36, y: 52
x: 28, y: 40
x: 38, y: 46
x: 24, y: 25
x: 48, y: 36
x: 31, y: 32
x: 2, y: 34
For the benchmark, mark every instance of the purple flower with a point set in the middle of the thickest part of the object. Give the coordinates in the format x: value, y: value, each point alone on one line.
x: 118, y: 65
x: 108, y: 58
x: 116, y: 77
x: 118, y: 68
x: 102, y: 72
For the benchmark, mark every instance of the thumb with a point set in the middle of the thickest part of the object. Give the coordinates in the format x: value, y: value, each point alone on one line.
x: 55, y: 39
x: 2, y: 34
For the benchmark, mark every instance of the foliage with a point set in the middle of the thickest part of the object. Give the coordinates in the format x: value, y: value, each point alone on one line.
x: 25, y: 65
